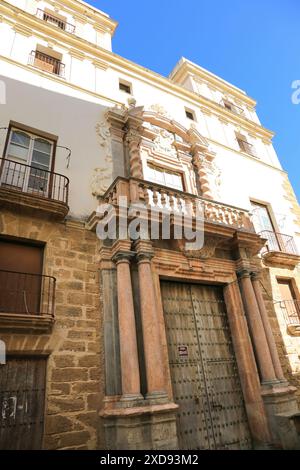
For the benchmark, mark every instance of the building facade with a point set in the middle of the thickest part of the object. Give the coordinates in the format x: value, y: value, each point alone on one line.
x: 141, y: 343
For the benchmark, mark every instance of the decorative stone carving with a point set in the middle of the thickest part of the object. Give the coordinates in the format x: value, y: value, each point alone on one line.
x: 159, y: 109
x: 102, y: 176
x: 206, y: 252
x: 163, y: 143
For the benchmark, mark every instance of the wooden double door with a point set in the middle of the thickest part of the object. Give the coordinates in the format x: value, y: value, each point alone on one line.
x: 203, y: 367
x: 22, y: 402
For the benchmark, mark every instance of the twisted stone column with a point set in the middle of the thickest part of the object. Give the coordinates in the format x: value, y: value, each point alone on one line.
x: 201, y: 162
x: 256, y: 326
x: 133, y: 139
x: 127, y: 329
x: 267, y: 327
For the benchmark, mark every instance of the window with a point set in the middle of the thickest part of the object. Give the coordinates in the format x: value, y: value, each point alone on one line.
x: 228, y: 105
x: 289, y: 304
x: 57, y: 20
x: 190, y: 114
x: 244, y: 145
x: 28, y: 162
x: 125, y: 87
x: 261, y: 216
x: 263, y: 224
x: 164, y: 177
x: 47, y: 60
x: 20, y: 276
x: 232, y: 107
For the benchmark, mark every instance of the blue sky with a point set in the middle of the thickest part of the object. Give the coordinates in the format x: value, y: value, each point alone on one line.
x: 253, y: 44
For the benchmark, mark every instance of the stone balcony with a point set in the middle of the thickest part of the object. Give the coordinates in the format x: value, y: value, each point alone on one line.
x: 218, y: 220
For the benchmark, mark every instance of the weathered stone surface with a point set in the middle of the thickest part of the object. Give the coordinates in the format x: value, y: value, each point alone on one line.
x: 61, y: 404
x: 56, y: 424
x: 70, y: 374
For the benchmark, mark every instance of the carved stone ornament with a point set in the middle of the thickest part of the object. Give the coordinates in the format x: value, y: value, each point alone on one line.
x: 102, y: 175
x: 206, y: 252
x: 163, y: 143
x: 159, y: 109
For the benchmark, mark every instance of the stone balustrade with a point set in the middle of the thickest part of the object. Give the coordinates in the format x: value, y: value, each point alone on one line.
x: 163, y: 198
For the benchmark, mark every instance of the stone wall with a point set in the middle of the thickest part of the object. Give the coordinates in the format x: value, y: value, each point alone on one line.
x: 75, y: 369
x: 287, y: 344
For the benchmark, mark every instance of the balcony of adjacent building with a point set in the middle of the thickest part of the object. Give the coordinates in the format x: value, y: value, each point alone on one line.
x: 55, y: 19
x: 32, y: 187
x: 26, y: 176
x: 26, y: 301
x: 280, y: 249
x: 290, y: 311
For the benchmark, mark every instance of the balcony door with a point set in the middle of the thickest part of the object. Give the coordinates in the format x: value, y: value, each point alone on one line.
x: 28, y: 164
x: 263, y: 224
x: 289, y: 303
x: 20, y: 277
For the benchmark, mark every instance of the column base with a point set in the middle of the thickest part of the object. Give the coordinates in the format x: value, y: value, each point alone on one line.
x: 158, y: 397
x: 131, y: 400
x: 145, y: 427
x: 283, y: 414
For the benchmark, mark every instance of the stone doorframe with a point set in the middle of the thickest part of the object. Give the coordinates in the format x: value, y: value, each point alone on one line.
x: 175, y: 266
x: 129, y: 416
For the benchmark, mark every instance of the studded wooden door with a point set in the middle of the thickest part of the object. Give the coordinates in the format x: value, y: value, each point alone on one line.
x: 22, y: 399
x: 204, y: 372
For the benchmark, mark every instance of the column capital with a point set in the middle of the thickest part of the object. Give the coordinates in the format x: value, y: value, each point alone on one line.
x: 143, y: 250
x: 122, y: 257
x: 242, y: 273
x: 255, y: 275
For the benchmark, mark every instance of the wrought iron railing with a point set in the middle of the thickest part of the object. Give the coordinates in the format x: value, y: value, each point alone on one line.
x: 46, y: 63
x: 247, y: 147
x: 279, y: 242
x: 25, y: 293
x: 60, y: 23
x: 33, y: 180
x: 178, y: 202
x: 290, y: 310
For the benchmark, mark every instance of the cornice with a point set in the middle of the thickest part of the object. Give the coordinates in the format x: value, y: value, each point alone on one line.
x: 94, y: 52
x: 186, y: 68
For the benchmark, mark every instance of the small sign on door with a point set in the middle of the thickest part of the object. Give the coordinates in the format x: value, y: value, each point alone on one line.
x: 183, y: 351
